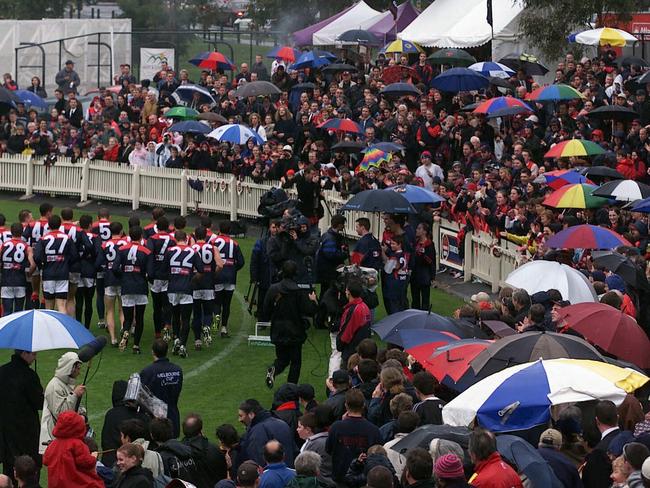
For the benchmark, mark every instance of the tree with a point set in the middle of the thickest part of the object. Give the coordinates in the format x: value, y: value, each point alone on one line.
x: 547, y: 23
x: 34, y: 9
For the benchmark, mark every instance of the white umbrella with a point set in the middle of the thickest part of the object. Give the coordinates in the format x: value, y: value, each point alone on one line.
x: 623, y: 190
x: 603, y: 36
x: 545, y: 275
x: 494, y: 69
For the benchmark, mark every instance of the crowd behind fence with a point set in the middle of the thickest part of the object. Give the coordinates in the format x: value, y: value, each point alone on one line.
x: 477, y: 257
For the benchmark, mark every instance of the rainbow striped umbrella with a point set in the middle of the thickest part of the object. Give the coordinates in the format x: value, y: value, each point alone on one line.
x: 561, y: 177
x: 399, y: 46
x: 575, y: 196
x: 574, y: 147
x: 374, y: 157
x: 502, y: 106
x: 341, y: 125
x: 212, y: 60
x: 602, y: 37
x: 587, y: 237
x: 554, y: 93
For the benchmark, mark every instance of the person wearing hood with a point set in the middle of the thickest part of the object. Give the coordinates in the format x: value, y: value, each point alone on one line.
x: 286, y: 405
x: 211, y: 462
x: 61, y: 394
x: 69, y: 461
x: 286, y: 305
x: 122, y: 410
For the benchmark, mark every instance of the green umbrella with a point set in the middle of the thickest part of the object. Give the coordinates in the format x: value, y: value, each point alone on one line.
x: 452, y: 57
x: 182, y: 113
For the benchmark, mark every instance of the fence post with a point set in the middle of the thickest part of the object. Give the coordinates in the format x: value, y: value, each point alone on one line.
x: 234, y: 198
x: 29, y: 187
x: 135, y: 189
x: 469, y: 257
x: 85, y: 172
x: 183, y: 193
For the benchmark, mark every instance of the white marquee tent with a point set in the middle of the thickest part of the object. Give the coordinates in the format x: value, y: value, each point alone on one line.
x: 361, y: 16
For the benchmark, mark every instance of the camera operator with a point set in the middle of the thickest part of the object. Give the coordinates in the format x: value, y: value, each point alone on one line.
x: 163, y: 151
x: 332, y: 252
x: 261, y: 271
x: 294, y: 241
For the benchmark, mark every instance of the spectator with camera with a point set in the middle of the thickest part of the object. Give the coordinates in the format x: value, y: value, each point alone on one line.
x: 294, y: 241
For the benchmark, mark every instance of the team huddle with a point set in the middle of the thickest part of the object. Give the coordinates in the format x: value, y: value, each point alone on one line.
x: 191, y: 277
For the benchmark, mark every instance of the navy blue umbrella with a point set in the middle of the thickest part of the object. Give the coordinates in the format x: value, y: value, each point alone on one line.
x: 416, y: 194
x: 310, y: 59
x: 31, y: 99
x: 528, y: 461
x: 190, y: 126
x: 386, y: 147
x: 421, y: 319
x: 379, y: 201
x: 460, y: 79
x: 359, y: 36
x: 400, y: 90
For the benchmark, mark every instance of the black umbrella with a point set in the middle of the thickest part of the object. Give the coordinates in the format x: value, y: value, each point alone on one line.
x: 602, y: 172
x: 526, y: 62
x: 500, y: 329
x: 452, y: 57
x: 421, y: 319
x: 632, y: 60
x: 470, y: 107
x: 400, y: 90
x: 379, y: 201
x: 349, y: 147
x: 613, y: 112
x: 303, y: 86
x: 530, y: 346
x: 212, y: 117
x: 623, y: 190
x: 622, y: 266
x: 500, y: 82
x: 256, y: 89
x: 359, y: 36
x: 422, y: 437
x: 644, y: 79
x: 338, y: 68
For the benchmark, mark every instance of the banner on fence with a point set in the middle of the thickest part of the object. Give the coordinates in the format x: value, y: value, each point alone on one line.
x: 151, y: 59
x: 449, y: 249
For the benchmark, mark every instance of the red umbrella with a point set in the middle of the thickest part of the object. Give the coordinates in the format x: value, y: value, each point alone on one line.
x: 397, y: 73
x: 610, y: 329
x: 341, y: 125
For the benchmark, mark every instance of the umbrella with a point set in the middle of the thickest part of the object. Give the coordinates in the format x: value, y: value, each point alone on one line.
x: 602, y: 37
x: 303, y: 86
x: 416, y: 194
x: 338, y: 68
x: 349, y: 146
x: 520, y: 397
x: 613, y: 112
x: 379, y: 201
x: 542, y: 275
x: 421, y: 319
x: 490, y: 68
x: 415, y: 338
x: 574, y: 147
x: 610, y: 329
x: 325, y: 54
x: 8, y: 97
x: 399, y: 73
x: 386, y: 146
x: 530, y: 346
x: 257, y: 89
x: 578, y: 195
x: 284, y: 52
x: 527, y: 460
x: 526, y: 62
x: 212, y: 117
x: 500, y: 329
x: 400, y: 46
x: 561, y: 177
x: 423, y: 435
x: 642, y: 206
x: 341, y: 125
x: 191, y: 127
x: 400, y: 90
x: 193, y: 94
x: 182, y: 113
x: 212, y: 60
x: 502, y: 106
x: 374, y: 157
x: 42, y: 330
x: 633, y: 60
x: 460, y: 79
x: 554, y: 93
x: 621, y: 265
x: 235, y: 134
x: 601, y: 172
x: 500, y: 82
x: 623, y: 190
x: 452, y: 57
x: 310, y: 59
x: 31, y: 99
x: 359, y: 36
x: 586, y: 236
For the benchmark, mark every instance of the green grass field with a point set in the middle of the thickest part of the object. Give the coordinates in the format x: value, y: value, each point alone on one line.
x: 217, y: 379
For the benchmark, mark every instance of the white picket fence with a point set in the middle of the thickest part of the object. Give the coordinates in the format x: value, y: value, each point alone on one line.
x: 223, y: 194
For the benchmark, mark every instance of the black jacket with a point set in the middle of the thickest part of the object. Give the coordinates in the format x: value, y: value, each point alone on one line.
x: 165, y: 380
x: 136, y: 477
x: 178, y: 461
x: 211, y: 463
x: 19, y: 420
x: 286, y: 305
x: 598, y: 468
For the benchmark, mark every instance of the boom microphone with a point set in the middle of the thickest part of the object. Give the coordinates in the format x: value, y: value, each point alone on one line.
x: 90, y: 350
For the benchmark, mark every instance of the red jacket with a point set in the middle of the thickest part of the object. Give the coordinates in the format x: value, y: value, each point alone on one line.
x: 494, y: 472
x: 360, y: 317
x: 67, y: 458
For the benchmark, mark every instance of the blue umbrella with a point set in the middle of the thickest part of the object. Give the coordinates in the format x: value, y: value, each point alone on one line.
x: 421, y: 319
x: 527, y: 460
x: 379, y: 201
x: 42, y: 330
x: 190, y: 126
x: 386, y: 147
x: 460, y: 79
x: 193, y: 95
x: 325, y: 54
x: 235, y: 134
x: 310, y: 59
x: 416, y: 194
x: 31, y: 99
x: 408, y: 338
x: 642, y: 206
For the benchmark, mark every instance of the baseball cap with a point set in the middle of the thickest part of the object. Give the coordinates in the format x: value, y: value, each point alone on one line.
x: 551, y: 438
x: 287, y: 148
x: 340, y: 376
x: 425, y: 154
x: 247, y: 473
x: 481, y: 296
x: 532, y: 118
x: 621, y: 95
x: 470, y: 186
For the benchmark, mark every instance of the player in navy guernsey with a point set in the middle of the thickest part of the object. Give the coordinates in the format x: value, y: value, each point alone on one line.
x: 203, y: 288
x: 367, y: 252
x: 158, y: 244
x: 87, y: 274
x: 134, y: 265
x: 81, y: 243
x: 25, y: 218
x: 106, y: 260
x: 396, y: 269
x: 101, y: 230
x: 5, y: 232
x: 33, y: 233
x: 152, y: 227
x: 233, y: 261
x: 16, y: 257
x: 180, y: 223
x: 54, y: 253
x: 181, y: 262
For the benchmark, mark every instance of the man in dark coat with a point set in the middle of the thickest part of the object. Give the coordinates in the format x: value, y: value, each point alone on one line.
x: 210, y: 461
x: 286, y: 306
x: 20, y: 424
x: 598, y: 468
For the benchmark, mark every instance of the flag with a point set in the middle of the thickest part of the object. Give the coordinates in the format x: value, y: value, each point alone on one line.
x: 393, y: 9
x: 489, y: 13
